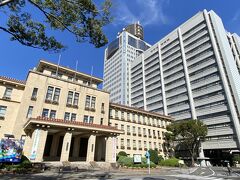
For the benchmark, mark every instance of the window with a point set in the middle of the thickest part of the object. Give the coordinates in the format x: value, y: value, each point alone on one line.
x: 150, y: 145
x: 139, y: 130
x: 128, y: 143
x: 93, y: 102
x: 56, y: 95
x: 128, y: 129
x: 122, y: 115
x: 34, y: 93
x: 91, y: 119
x: 67, y: 116
x: 53, y: 114
x: 133, y: 117
x: 49, y: 93
x: 76, y: 98
x: 145, y: 144
x: 144, y: 131
x: 149, y: 132
x: 87, y: 102
x: 122, y: 127
x: 3, y: 110
x: 128, y: 116
x: 134, y: 143
x: 102, y: 108
x: 30, y: 110
x: 139, y: 143
x: 70, y: 97
x: 134, y: 129
x: 116, y: 125
x: 122, y: 142
x: 85, y: 119
x: 88, y: 119
x: 116, y: 114
x: 73, y: 117
x: 8, y: 93
x: 45, y: 113
x: 155, y: 145
x: 101, y: 121
x: 139, y: 121
x: 154, y: 133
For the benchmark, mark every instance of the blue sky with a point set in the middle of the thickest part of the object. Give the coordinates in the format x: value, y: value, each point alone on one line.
x: 158, y: 17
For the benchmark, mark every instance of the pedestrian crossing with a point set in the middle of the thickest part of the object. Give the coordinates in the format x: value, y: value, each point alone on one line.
x: 188, y: 176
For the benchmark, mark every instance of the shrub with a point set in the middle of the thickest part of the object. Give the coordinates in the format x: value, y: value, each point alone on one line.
x: 128, y: 161
x: 173, y: 162
x: 121, y: 153
x: 153, y: 156
x: 125, y: 161
x: 160, y: 158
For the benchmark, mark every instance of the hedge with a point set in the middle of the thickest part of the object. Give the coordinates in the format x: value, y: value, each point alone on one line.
x: 172, y: 162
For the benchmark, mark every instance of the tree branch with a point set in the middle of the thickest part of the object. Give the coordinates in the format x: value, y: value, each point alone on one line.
x: 17, y: 38
x: 5, y: 2
x: 54, y: 17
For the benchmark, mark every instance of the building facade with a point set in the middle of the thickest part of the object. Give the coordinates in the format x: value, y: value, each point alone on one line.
x: 143, y: 130
x: 62, y: 116
x: 193, y: 73
x: 117, y: 59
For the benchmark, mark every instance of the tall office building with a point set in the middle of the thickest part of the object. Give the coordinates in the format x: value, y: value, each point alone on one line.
x: 118, y: 56
x: 193, y: 73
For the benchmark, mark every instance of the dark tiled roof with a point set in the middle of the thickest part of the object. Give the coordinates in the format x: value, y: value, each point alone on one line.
x: 13, y: 80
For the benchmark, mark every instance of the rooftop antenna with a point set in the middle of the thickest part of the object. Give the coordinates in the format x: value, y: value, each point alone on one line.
x: 59, y: 58
x: 76, y: 70
x: 91, y: 76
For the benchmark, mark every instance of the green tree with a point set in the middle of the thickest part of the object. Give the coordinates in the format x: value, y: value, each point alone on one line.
x: 153, y: 156
x: 189, y: 134
x: 82, y: 18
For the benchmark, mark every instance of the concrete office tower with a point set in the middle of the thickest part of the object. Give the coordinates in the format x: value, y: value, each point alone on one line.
x: 193, y: 73
x: 117, y: 59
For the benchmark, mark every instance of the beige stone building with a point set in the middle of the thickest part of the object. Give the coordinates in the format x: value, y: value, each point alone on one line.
x: 143, y: 130
x: 11, y: 91
x: 63, y: 116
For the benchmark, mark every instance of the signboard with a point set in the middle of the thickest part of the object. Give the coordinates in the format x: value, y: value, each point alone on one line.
x: 11, y: 150
x: 35, y: 144
x: 137, y: 159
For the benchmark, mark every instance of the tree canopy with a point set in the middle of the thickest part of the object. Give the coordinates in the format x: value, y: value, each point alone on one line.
x: 82, y: 18
x: 188, y: 134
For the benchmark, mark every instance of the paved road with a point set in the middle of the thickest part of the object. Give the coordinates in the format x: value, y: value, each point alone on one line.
x: 133, y: 174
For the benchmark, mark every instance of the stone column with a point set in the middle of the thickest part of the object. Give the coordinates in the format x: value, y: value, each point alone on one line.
x: 54, y: 146
x: 91, y: 148
x: 110, y: 155
x: 76, y: 147
x: 66, y: 146
x: 35, y: 145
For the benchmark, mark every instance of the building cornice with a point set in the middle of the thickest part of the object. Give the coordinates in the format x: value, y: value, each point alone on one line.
x: 72, y: 124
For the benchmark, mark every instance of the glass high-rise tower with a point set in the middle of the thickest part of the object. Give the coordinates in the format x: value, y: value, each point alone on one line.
x: 117, y: 60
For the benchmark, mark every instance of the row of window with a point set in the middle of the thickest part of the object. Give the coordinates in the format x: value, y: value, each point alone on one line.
x: 141, y: 131
x: 47, y: 113
x: 138, y: 118
x: 134, y: 144
x: 53, y: 95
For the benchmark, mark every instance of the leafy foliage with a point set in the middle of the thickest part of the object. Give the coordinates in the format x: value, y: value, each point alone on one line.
x: 153, y: 156
x: 172, y: 162
x: 128, y: 161
x: 188, y: 133
x: 82, y: 18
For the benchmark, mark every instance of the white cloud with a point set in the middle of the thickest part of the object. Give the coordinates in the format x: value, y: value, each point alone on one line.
x: 236, y: 16
x: 148, y: 12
